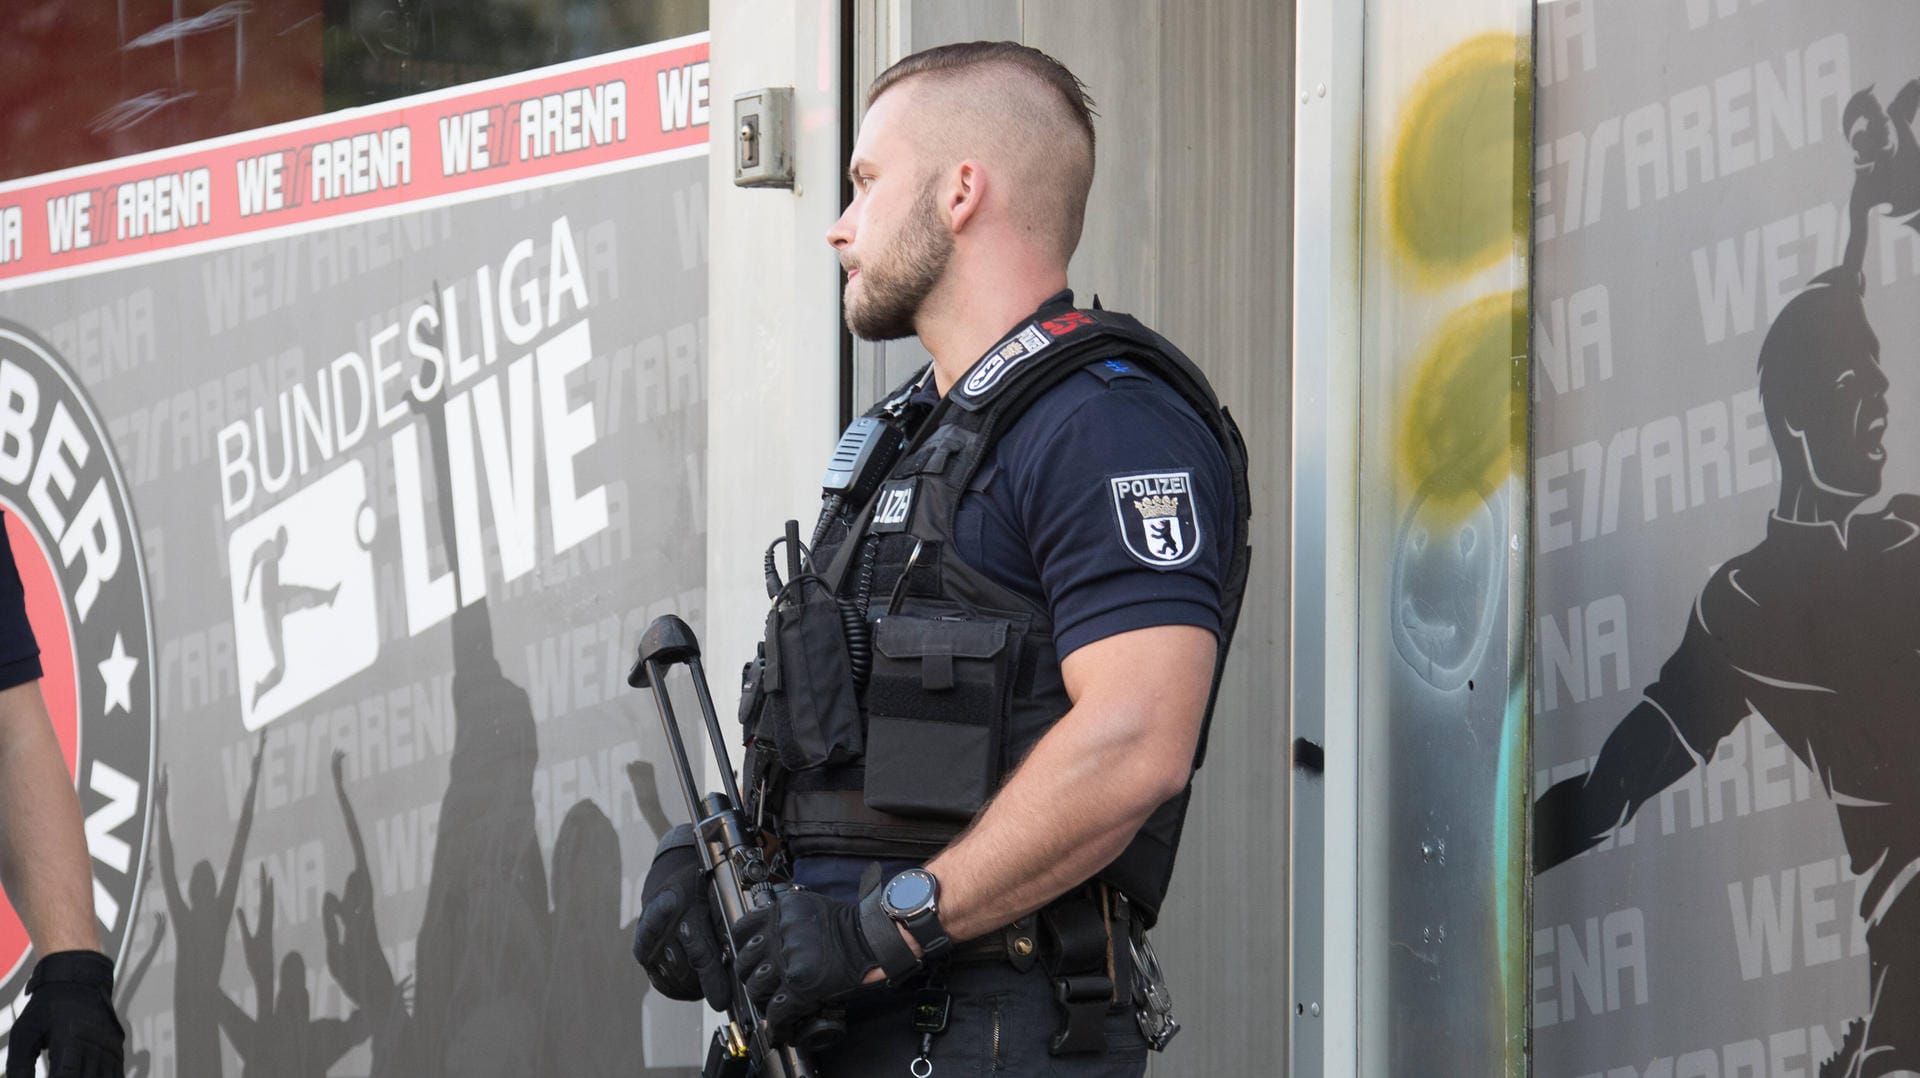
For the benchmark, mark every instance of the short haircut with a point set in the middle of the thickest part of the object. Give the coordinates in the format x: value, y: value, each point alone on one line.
x: 1019, y: 94
x: 1824, y: 324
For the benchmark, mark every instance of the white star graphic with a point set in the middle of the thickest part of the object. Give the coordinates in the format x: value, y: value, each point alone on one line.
x: 116, y: 671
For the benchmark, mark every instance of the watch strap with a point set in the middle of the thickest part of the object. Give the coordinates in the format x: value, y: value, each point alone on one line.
x: 929, y: 933
x: 882, y: 933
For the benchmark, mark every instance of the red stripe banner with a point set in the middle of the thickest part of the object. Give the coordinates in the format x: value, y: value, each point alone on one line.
x: 609, y: 112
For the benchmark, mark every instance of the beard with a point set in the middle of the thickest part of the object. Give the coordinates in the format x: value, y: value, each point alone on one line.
x: 898, y: 280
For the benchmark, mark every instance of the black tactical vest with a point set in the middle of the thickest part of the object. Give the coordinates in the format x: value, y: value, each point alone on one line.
x: 887, y: 748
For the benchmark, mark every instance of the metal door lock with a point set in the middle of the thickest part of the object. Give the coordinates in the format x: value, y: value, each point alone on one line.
x: 763, y: 138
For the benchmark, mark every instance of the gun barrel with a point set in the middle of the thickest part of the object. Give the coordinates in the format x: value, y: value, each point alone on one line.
x: 719, y: 741
x: 725, y: 843
x: 682, y: 764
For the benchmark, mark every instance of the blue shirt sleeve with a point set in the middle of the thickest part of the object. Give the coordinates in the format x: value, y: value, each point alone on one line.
x: 1108, y: 503
x: 19, y: 654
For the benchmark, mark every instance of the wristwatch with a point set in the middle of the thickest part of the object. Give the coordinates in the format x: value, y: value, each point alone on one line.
x: 912, y: 899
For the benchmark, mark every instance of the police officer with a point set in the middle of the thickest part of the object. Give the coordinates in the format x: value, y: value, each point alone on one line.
x: 1047, y: 577
x: 43, y: 863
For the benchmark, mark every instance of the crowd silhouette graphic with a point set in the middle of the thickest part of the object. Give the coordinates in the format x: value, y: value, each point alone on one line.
x: 521, y: 968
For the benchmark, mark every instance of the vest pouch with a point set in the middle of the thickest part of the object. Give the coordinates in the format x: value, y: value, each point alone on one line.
x: 937, y: 712
x: 807, y: 701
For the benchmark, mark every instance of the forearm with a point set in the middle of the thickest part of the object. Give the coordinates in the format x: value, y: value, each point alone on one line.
x: 1642, y: 756
x: 43, y: 850
x: 1069, y: 810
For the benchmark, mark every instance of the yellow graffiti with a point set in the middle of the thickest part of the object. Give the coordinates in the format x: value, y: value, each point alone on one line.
x: 1457, y: 437
x: 1459, y: 177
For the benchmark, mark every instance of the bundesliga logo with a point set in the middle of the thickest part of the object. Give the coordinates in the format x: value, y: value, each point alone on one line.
x: 70, y: 523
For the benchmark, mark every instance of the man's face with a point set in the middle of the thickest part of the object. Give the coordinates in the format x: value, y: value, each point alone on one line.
x: 891, y: 240
x: 1843, y: 420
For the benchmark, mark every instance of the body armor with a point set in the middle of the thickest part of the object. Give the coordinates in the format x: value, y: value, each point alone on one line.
x: 885, y: 738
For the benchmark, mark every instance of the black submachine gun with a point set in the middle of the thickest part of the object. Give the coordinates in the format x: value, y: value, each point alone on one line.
x: 736, y: 863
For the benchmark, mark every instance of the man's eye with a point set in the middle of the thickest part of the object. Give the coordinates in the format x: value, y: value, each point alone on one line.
x: 1845, y: 380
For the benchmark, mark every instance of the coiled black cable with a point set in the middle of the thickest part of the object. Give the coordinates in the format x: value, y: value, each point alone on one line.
x: 853, y: 624
x: 853, y: 615
x: 830, y: 509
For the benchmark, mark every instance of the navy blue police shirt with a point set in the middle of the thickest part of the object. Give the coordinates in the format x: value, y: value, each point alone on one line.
x: 19, y: 654
x: 1071, y: 510
x: 1108, y: 503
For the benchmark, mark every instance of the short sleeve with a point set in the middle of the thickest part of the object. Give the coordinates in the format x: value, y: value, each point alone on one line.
x: 19, y: 654
x: 1125, y: 505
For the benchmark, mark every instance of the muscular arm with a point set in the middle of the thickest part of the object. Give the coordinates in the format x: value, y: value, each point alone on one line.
x: 1640, y: 758
x: 1697, y: 701
x: 43, y: 847
x: 1124, y: 748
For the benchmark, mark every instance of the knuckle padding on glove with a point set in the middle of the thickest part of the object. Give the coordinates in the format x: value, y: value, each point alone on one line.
x: 673, y: 907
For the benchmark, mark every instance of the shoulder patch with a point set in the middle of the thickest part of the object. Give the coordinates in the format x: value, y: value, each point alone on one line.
x: 1159, y: 524
x: 988, y: 372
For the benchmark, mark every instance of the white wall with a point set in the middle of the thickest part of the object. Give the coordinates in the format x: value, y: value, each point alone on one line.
x: 773, y: 361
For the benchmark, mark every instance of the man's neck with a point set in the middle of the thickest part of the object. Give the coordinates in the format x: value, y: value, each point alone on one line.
x: 958, y: 324
x: 1804, y: 502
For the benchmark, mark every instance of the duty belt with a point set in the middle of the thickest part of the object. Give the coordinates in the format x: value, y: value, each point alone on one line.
x: 1082, y: 939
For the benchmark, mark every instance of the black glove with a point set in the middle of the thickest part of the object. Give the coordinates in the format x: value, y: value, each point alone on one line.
x: 70, y: 1017
x: 677, y: 941
x: 802, y: 951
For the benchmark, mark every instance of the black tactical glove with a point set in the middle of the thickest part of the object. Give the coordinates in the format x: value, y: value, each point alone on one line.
x: 677, y: 940
x: 801, y: 952
x: 69, y: 1015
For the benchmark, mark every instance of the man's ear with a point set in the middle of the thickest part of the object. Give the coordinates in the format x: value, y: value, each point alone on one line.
x: 965, y: 193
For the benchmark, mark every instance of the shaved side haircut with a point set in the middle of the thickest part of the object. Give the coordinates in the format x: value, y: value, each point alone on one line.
x: 1015, y: 108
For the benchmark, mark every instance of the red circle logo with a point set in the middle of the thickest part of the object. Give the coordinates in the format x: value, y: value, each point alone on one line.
x: 69, y: 522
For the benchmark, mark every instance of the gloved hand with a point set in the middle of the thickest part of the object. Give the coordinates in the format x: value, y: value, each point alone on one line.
x: 801, y: 952
x: 677, y: 940
x: 69, y: 1015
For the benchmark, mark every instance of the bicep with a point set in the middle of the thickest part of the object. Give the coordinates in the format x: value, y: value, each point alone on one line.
x: 1147, y: 687
x: 1700, y: 696
x: 23, y: 711
x: 1128, y: 515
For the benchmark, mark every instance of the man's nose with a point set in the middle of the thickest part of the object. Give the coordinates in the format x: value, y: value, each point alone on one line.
x: 841, y: 234
x: 1877, y: 383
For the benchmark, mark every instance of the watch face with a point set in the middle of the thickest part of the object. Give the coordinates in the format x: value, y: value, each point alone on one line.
x: 909, y: 892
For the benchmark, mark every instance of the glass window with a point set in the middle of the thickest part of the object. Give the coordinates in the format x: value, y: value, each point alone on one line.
x: 86, y: 81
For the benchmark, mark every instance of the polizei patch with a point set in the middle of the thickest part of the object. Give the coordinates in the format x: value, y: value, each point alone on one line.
x: 70, y: 523
x: 1157, y: 520
x: 893, y: 506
